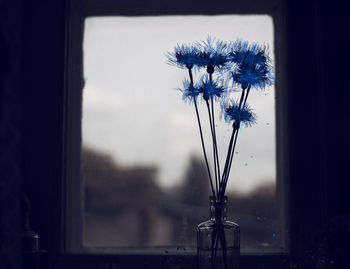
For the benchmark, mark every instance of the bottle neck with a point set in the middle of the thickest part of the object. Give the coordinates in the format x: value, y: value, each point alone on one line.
x: 218, y: 209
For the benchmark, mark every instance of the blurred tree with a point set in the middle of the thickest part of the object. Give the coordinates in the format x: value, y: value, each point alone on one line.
x: 110, y: 188
x: 119, y: 201
x: 117, y: 193
x: 258, y: 202
x: 195, y: 189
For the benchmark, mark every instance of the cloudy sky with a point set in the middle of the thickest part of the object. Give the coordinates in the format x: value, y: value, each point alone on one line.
x: 132, y: 110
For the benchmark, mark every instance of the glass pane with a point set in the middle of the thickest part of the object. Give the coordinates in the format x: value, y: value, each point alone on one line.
x: 144, y: 175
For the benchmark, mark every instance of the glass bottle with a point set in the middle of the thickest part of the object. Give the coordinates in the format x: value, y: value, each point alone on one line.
x: 218, y: 240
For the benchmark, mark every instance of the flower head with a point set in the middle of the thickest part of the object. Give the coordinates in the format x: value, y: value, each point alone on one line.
x: 213, y: 54
x: 238, y: 116
x: 189, y: 91
x: 210, y: 90
x: 252, y: 66
x: 184, y: 56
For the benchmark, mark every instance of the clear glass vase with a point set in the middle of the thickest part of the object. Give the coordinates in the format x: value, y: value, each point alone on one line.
x: 218, y: 240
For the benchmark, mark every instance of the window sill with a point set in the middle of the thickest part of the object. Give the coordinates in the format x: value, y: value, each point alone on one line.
x: 88, y: 261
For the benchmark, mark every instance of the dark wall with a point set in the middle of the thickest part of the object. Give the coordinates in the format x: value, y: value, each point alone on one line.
x: 334, y: 84
x: 32, y: 83
x: 31, y: 97
x: 319, y: 115
x: 43, y: 95
x: 10, y: 132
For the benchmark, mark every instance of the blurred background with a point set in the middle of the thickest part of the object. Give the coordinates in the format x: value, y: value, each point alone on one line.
x: 125, y: 207
x: 145, y: 179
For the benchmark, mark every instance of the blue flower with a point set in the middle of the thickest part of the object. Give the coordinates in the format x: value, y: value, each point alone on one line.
x: 184, y: 56
x: 210, y: 90
x: 213, y: 55
x: 252, y: 65
x: 238, y: 116
x: 189, y: 91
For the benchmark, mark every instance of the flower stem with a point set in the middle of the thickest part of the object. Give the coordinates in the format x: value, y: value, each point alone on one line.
x: 246, y: 96
x: 241, y: 99
x: 212, y: 135
x: 216, y: 154
x: 201, y: 135
x: 227, y: 159
x: 214, y: 140
x: 230, y: 162
x: 241, y: 106
x: 229, y: 155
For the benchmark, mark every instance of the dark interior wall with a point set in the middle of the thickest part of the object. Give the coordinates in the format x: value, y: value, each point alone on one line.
x: 335, y: 38
x: 31, y: 101
x: 318, y: 81
x: 43, y: 84
x: 319, y: 96
x: 10, y: 132
x: 303, y: 121
x: 335, y: 88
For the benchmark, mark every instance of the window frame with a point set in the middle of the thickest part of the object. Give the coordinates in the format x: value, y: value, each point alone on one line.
x: 315, y: 186
x: 76, y: 11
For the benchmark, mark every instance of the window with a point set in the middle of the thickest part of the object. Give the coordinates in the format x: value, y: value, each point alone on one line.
x: 83, y: 19
x: 307, y: 157
x: 135, y: 123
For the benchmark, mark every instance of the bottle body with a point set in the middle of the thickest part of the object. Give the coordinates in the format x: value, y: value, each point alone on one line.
x: 218, y: 240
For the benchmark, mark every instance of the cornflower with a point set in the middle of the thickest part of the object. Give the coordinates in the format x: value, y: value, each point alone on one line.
x: 244, y: 115
x: 210, y: 90
x: 237, y: 62
x: 252, y: 66
x: 189, y: 91
x: 213, y: 55
x: 184, y: 56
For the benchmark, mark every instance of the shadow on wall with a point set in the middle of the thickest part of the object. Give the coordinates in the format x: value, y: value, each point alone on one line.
x: 125, y: 207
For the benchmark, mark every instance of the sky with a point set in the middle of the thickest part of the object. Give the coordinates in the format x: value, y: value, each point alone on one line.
x: 133, y: 112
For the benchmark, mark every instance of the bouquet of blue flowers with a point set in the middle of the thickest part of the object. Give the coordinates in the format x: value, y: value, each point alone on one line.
x: 223, y: 67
